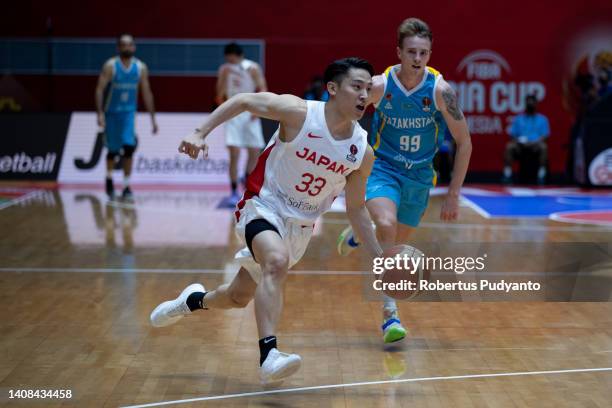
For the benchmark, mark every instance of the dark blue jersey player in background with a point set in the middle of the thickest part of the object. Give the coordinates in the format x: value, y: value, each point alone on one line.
x: 116, y: 105
x: 414, y: 105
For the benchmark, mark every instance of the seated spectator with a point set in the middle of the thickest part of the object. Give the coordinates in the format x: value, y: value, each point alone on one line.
x: 528, y: 134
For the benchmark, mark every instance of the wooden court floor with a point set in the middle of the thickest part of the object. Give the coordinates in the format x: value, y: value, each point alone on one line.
x: 79, y: 278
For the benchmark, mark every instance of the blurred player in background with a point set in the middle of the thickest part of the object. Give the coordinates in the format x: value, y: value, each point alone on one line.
x: 240, y: 75
x: 414, y: 104
x: 116, y: 105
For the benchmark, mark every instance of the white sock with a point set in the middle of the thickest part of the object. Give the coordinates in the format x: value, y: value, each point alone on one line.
x: 542, y: 172
x: 507, y: 171
x: 389, y: 303
x: 109, y: 174
x: 126, y: 181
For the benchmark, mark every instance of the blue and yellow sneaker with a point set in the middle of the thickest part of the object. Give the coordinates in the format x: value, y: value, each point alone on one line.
x: 392, y: 327
x: 346, y: 242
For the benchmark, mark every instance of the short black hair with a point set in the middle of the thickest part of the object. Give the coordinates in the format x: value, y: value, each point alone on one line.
x: 337, y: 70
x: 233, y: 48
x: 120, y: 36
x: 531, y: 97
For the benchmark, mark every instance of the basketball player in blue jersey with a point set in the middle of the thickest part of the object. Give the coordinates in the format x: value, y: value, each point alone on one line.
x: 413, y: 104
x: 116, y: 103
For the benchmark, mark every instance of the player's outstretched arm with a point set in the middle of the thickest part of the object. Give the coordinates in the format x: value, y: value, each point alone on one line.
x: 356, y: 210
x: 221, y: 85
x: 147, y: 96
x: 446, y: 99
x: 378, y: 88
x: 289, y: 110
x: 105, y: 77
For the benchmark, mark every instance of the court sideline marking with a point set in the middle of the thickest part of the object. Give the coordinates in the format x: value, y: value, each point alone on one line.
x: 439, y: 225
x: 365, y: 383
x: 14, y: 201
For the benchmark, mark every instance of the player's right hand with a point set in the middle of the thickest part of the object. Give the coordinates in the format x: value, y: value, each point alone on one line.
x: 193, y: 144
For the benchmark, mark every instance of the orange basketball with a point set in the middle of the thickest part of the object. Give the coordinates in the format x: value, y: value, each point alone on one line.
x: 402, y: 277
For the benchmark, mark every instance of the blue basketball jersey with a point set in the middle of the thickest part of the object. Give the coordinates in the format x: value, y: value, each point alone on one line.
x: 122, y: 92
x: 407, y: 128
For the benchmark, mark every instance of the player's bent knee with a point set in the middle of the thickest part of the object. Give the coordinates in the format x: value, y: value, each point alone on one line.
x: 111, y: 156
x: 128, y: 151
x: 386, y: 224
x: 387, y: 229
x: 276, y: 265
x: 240, y: 300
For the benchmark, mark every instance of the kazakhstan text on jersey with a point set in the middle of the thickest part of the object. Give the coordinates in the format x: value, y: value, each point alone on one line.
x: 122, y: 91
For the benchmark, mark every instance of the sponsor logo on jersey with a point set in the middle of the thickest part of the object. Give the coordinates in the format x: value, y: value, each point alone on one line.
x: 302, y: 205
x: 388, y: 97
x: 314, y: 136
x: 298, y: 203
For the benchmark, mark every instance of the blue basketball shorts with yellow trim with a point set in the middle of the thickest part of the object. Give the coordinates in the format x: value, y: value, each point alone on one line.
x: 119, y: 130
x: 408, y: 189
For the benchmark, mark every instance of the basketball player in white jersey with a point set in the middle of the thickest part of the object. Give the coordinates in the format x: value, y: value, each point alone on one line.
x: 318, y: 150
x: 240, y: 75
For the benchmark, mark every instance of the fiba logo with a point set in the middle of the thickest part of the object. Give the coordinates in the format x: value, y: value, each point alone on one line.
x: 351, y: 156
x: 483, y: 65
x: 487, y: 92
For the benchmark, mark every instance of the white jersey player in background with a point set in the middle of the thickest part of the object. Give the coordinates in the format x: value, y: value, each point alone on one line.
x: 240, y: 75
x: 318, y: 150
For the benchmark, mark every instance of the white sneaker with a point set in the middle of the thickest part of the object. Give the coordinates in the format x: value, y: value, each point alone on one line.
x: 346, y: 242
x: 279, y: 366
x: 172, y: 311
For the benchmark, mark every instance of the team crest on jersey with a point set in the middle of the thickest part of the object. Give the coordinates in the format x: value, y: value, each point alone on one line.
x: 388, y: 98
x: 426, y: 103
x: 351, y: 156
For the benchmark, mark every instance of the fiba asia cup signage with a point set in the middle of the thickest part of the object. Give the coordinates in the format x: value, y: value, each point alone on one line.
x: 488, y: 94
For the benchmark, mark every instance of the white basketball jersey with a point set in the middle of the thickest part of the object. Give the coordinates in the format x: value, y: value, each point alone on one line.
x: 301, y: 179
x: 239, y: 79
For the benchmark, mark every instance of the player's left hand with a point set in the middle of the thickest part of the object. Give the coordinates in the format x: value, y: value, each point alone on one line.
x: 450, y: 208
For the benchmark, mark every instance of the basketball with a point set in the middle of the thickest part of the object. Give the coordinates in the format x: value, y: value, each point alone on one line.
x: 402, y: 280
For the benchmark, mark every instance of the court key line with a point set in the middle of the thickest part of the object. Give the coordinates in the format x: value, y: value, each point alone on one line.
x: 347, y: 385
